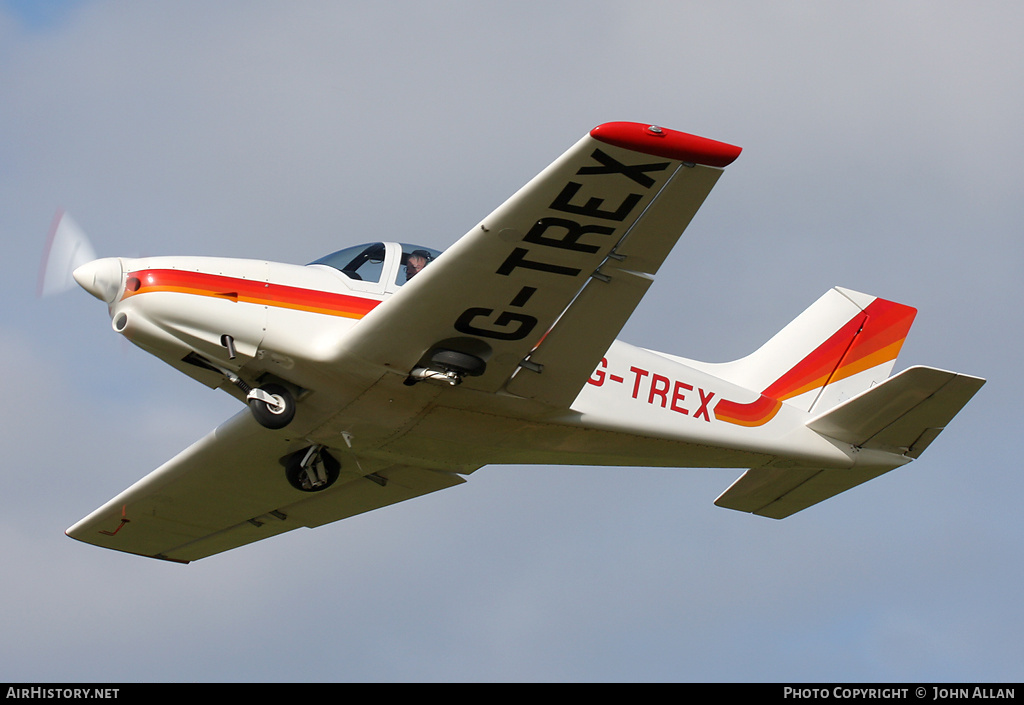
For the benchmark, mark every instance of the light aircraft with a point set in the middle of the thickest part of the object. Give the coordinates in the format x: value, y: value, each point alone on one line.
x: 387, y: 370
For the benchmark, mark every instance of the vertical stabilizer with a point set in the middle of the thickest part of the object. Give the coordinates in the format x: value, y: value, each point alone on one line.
x: 843, y: 344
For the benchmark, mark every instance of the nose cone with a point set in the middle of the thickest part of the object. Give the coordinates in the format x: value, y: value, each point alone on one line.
x: 101, y: 278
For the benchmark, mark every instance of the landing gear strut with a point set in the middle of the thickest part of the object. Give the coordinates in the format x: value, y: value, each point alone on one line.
x: 272, y: 405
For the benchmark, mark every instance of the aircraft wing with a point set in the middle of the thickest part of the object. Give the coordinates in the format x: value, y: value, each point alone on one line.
x: 541, y: 287
x: 538, y: 290
x: 230, y: 489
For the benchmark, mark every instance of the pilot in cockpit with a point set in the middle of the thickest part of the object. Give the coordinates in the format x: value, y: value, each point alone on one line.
x: 416, y: 261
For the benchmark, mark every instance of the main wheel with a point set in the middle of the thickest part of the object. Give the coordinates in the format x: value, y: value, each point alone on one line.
x: 276, y: 415
x: 464, y: 364
x: 326, y: 469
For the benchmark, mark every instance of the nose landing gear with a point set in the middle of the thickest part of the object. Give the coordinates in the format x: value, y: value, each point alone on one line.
x: 271, y: 405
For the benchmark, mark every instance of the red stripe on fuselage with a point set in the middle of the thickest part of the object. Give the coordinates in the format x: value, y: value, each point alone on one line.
x: 247, y: 290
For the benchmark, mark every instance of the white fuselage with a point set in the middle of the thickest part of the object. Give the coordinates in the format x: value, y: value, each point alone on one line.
x: 290, y: 323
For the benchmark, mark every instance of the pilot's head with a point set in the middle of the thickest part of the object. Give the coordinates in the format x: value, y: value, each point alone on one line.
x: 416, y: 261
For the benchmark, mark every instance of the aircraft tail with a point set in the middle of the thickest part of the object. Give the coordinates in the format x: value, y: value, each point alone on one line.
x: 834, y: 360
x: 842, y: 344
x: 889, y: 424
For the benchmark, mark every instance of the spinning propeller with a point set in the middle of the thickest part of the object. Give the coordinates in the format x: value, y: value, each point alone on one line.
x: 69, y: 258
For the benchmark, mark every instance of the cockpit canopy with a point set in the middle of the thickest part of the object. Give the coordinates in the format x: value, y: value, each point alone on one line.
x: 380, y: 264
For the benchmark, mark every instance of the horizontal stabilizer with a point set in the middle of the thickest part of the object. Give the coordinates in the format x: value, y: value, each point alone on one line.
x: 901, y: 415
x: 776, y: 492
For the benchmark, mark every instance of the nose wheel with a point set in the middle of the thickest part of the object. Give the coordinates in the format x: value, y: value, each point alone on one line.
x: 271, y: 405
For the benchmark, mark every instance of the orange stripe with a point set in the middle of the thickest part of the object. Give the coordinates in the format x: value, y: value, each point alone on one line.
x: 247, y: 291
x: 756, y: 413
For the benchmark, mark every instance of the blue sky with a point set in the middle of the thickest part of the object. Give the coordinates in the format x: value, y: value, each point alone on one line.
x: 882, y: 152
x: 40, y: 16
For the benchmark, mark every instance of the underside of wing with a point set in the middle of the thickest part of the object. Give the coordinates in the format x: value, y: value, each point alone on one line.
x: 548, y: 279
x: 231, y: 488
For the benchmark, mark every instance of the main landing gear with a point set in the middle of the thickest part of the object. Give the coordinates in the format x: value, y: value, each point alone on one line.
x: 448, y: 366
x: 311, y: 469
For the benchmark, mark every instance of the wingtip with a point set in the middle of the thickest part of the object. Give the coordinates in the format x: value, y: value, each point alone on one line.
x: 663, y: 142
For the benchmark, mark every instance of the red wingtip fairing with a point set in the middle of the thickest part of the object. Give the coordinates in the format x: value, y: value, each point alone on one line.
x: 662, y: 142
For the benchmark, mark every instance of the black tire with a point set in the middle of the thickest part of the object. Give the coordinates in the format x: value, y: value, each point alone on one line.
x: 296, y: 475
x: 274, y: 417
x: 469, y: 365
